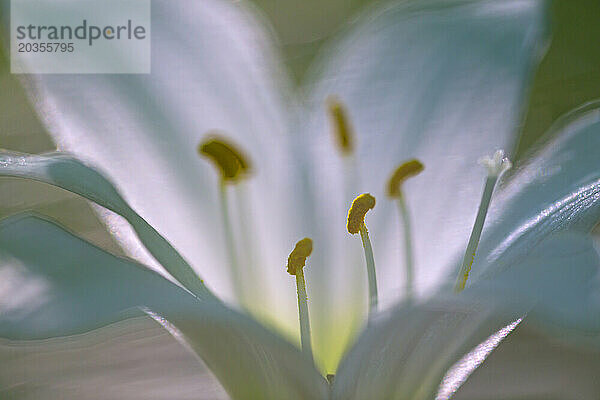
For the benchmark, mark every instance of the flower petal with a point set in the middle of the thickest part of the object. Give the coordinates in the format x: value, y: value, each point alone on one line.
x: 213, y: 67
x: 408, y: 354
x: 560, y: 278
x: 529, y: 365
x: 56, y: 284
x: 69, y: 173
x: 135, y: 359
x: 442, y: 81
x: 558, y: 189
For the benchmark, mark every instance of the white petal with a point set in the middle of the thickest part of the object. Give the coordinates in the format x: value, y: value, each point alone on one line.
x: 55, y: 284
x: 134, y: 359
x: 560, y: 279
x: 213, y: 67
x: 68, y: 173
x: 437, y: 80
x: 532, y: 366
x: 407, y: 355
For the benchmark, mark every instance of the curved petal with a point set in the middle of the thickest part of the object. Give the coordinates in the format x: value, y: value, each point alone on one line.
x: 213, y: 67
x: 558, y: 189
x: 408, y: 354
x: 437, y: 80
x: 56, y: 284
x: 527, y: 365
x: 135, y: 359
x: 560, y: 279
x: 70, y: 174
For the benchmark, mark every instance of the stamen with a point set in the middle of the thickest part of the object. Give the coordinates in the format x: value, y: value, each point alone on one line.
x: 233, y: 166
x: 238, y: 287
x: 229, y: 160
x: 341, y: 125
x: 404, y: 171
x: 295, y: 266
x: 250, y: 250
x: 496, y: 166
x: 356, y: 224
x: 358, y: 210
x: 298, y: 256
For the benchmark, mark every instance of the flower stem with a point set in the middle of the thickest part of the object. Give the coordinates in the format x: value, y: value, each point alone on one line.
x: 230, y: 245
x: 469, y: 256
x: 303, y: 314
x: 370, y: 261
x: 408, y: 251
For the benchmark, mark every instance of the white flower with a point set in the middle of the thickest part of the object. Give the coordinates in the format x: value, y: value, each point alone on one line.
x: 444, y: 84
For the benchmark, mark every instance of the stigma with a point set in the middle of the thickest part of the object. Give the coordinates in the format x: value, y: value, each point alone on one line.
x: 404, y: 171
x: 358, y: 210
x: 342, y: 129
x: 497, y: 164
x: 231, y: 162
x: 298, y: 256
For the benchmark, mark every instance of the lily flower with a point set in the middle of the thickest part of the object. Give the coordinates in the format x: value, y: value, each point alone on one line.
x: 443, y: 83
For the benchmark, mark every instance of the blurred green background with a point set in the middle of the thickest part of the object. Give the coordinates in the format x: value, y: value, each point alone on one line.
x: 568, y: 76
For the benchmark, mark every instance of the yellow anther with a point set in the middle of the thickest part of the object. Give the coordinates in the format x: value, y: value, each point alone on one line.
x: 298, y: 256
x: 230, y: 160
x: 404, y: 171
x: 341, y: 125
x: 358, y: 210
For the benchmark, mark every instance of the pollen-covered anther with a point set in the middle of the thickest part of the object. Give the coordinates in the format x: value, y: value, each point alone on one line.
x: 231, y: 162
x: 404, y: 171
x: 497, y: 164
x: 298, y: 256
x: 358, y: 210
x: 342, y: 129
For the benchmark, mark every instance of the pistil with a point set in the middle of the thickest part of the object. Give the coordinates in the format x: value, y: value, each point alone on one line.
x: 496, y: 166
